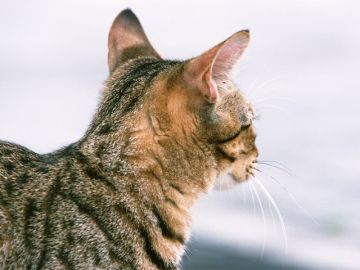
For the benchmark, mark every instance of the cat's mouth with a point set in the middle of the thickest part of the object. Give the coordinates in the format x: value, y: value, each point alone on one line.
x: 239, y: 172
x: 242, y: 171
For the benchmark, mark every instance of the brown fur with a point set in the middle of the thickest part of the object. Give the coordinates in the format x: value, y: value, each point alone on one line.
x: 120, y: 198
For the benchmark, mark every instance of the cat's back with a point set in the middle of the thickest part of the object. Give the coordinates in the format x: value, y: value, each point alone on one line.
x: 15, y: 159
x: 16, y: 163
x: 19, y: 170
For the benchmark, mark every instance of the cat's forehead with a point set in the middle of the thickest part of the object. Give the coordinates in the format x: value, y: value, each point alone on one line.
x: 246, y: 107
x: 234, y: 99
x: 232, y: 96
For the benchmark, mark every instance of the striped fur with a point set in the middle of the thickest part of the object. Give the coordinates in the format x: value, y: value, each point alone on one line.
x: 120, y: 198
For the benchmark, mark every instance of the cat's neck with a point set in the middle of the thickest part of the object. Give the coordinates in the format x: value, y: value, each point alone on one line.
x: 168, y: 175
x: 182, y: 168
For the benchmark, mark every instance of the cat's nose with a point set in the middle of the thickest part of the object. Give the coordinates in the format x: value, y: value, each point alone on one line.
x: 247, y: 114
x: 245, y: 120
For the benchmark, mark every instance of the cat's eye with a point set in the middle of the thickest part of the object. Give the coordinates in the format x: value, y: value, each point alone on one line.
x: 245, y: 127
x: 232, y: 136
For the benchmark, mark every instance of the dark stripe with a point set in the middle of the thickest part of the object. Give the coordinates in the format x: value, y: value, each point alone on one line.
x: 49, y: 199
x: 153, y: 254
x: 125, y: 212
x: 104, y: 129
x: 5, y: 203
x: 42, y: 169
x: 177, y: 188
x: 93, y: 172
x: 128, y: 217
x: 70, y: 238
x: 171, y: 201
x: 29, y: 212
x: 150, y: 250
x: 98, y: 219
x: 25, y: 159
x: 225, y: 155
x: 128, y: 84
x: 101, y: 149
x: 65, y: 260
x: 9, y: 167
x: 6, y: 152
x: 96, y: 256
x: 90, y: 212
x: 23, y: 179
x: 9, y: 187
x: 159, y: 162
x: 166, y: 230
x: 126, y: 92
x: 167, y: 199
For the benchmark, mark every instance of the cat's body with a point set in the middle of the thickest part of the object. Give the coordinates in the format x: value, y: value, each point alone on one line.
x: 120, y: 198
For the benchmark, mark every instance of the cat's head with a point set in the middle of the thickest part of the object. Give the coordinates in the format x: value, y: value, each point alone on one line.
x: 192, y: 102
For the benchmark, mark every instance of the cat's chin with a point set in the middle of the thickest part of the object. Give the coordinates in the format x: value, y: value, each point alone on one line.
x: 227, y: 181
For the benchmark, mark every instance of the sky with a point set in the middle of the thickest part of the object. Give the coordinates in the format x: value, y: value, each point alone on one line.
x: 301, y: 72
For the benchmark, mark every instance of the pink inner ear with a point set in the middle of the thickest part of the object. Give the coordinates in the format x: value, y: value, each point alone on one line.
x: 229, y: 54
x: 127, y: 40
x: 211, y: 93
x: 206, y: 71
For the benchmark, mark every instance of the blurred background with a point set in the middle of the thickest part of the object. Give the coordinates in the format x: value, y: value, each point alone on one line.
x: 301, y: 72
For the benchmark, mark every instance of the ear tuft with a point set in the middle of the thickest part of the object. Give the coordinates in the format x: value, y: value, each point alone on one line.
x: 127, y: 40
x: 206, y: 71
x: 127, y: 16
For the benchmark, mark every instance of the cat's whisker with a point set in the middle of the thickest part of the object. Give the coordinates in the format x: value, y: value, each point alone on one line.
x: 263, y: 218
x: 253, y: 200
x: 291, y: 196
x: 252, y: 85
x: 274, y: 98
x: 277, y: 210
x: 257, y: 117
x: 239, y: 69
x: 277, y: 167
x: 271, y: 212
x: 271, y: 106
x: 276, y: 162
x: 266, y: 83
x: 254, y: 89
x: 244, y: 196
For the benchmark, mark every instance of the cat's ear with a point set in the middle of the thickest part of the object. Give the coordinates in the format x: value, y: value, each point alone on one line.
x: 127, y: 40
x: 213, y: 67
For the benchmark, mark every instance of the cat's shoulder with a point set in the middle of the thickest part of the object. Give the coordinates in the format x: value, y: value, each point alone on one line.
x: 12, y: 154
x: 8, y: 148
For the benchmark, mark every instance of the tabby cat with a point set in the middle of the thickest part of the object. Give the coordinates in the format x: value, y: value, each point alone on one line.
x: 120, y: 197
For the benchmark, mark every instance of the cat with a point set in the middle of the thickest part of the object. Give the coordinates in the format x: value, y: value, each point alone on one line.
x: 121, y: 197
